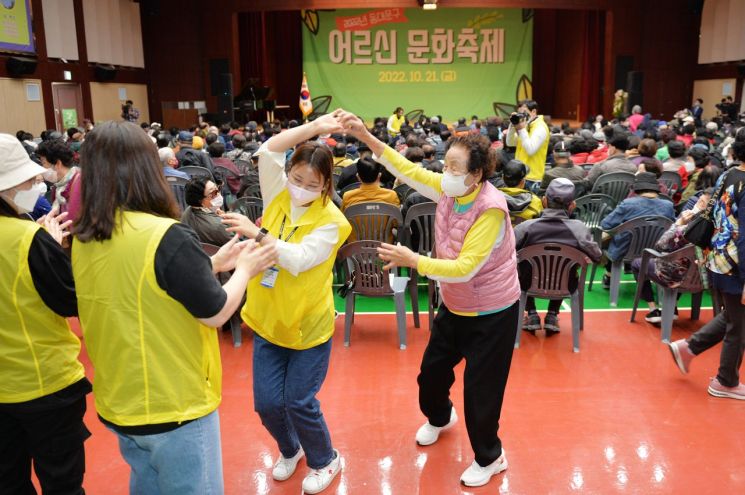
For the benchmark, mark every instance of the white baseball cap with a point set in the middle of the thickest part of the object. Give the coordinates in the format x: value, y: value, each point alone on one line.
x: 15, y: 165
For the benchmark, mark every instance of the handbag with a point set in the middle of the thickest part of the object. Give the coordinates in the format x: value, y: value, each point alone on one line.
x: 701, y: 229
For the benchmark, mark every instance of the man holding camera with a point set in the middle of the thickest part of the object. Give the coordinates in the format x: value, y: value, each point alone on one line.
x: 529, y: 132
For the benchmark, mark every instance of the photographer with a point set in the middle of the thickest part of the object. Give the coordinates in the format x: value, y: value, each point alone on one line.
x: 529, y: 132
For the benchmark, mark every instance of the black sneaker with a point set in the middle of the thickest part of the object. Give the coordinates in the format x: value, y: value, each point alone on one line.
x: 532, y: 322
x: 551, y: 324
x: 654, y: 316
x: 606, y: 281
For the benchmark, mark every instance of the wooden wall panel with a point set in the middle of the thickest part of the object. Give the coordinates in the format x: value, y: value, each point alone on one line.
x: 16, y: 112
x: 108, y: 106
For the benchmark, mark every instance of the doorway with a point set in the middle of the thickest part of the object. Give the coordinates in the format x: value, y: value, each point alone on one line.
x: 68, y: 105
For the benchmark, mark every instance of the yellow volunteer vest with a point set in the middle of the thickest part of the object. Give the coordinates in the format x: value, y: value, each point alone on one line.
x: 537, y: 162
x: 298, y: 312
x: 396, y: 125
x: 38, y: 352
x: 154, y: 362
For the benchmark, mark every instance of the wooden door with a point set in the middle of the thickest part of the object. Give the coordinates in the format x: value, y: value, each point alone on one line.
x: 68, y: 105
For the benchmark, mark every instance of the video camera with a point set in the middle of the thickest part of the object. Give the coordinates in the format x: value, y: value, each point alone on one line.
x: 518, y: 117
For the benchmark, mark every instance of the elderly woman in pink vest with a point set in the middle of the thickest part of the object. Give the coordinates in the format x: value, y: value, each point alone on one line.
x: 477, y: 270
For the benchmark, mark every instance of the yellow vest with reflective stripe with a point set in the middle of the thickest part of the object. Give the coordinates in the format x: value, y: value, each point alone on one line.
x: 298, y: 312
x: 154, y: 362
x: 38, y: 352
x: 537, y: 162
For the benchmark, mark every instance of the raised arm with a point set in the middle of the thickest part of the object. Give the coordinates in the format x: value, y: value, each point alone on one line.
x: 272, y: 153
x: 424, y: 181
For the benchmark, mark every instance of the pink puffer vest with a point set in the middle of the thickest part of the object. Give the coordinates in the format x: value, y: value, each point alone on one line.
x: 496, y: 284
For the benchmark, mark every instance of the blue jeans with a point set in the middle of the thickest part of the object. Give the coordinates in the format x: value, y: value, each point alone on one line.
x: 186, y: 460
x: 286, y: 382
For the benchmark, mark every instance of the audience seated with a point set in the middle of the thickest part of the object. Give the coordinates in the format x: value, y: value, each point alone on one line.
x: 203, y: 213
x: 554, y: 225
x: 369, y: 173
x: 216, y: 151
x: 616, y: 162
x: 169, y: 162
x: 189, y: 156
x: 700, y: 158
x: 677, y: 161
x: 668, y: 273
x: 564, y: 167
x: 340, y: 156
x: 57, y: 156
x: 646, y: 202
x: 521, y: 202
x: 706, y: 179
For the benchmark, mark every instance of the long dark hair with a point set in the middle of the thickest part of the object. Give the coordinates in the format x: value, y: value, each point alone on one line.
x: 120, y: 170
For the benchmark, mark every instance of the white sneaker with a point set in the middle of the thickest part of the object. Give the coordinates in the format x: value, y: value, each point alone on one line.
x: 284, y: 467
x: 476, y: 475
x: 319, y: 479
x: 428, y: 434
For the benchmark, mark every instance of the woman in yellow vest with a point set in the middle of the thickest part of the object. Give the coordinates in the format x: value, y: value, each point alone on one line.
x: 42, y: 383
x: 291, y: 307
x: 149, y: 304
x: 395, y: 122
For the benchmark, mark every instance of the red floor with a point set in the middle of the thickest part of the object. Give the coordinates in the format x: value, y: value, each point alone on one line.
x: 616, y: 418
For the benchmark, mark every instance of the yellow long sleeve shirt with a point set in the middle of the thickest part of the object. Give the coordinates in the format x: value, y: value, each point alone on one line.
x: 484, y: 235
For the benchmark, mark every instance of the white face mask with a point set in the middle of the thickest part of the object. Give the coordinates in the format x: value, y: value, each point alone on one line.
x: 41, y: 187
x: 26, y: 200
x: 217, y: 201
x: 454, y: 185
x: 300, y: 196
x: 50, y: 175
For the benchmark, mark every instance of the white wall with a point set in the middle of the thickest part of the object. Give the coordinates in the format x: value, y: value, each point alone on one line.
x: 59, y: 28
x: 113, y: 33
x: 722, y: 31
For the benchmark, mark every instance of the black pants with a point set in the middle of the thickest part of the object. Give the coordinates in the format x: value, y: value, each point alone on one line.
x: 486, y: 342
x: 727, y: 327
x: 50, y: 431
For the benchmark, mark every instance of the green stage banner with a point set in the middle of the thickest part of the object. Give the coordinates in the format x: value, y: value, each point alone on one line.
x: 451, y: 62
x: 15, y: 26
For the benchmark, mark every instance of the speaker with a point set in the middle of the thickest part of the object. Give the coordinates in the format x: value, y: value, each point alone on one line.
x: 225, y: 98
x: 218, y: 67
x: 20, y: 66
x: 104, y: 72
x: 634, y: 87
x: 740, y: 70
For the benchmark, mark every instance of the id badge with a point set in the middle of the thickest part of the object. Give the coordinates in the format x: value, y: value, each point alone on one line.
x: 270, y: 277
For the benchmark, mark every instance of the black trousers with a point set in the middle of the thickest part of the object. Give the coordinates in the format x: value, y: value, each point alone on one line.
x: 486, y: 343
x: 50, y: 431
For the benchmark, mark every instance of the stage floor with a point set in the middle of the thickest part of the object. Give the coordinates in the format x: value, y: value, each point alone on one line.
x: 617, y: 417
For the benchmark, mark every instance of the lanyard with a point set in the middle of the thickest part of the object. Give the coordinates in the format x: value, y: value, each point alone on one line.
x: 282, y: 229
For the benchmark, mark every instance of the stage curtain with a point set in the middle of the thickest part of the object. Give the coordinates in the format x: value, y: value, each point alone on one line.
x: 592, y: 65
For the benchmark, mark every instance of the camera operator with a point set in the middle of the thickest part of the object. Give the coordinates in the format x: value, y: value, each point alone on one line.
x: 529, y: 132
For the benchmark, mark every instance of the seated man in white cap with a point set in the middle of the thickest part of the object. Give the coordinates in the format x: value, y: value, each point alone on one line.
x: 554, y: 225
